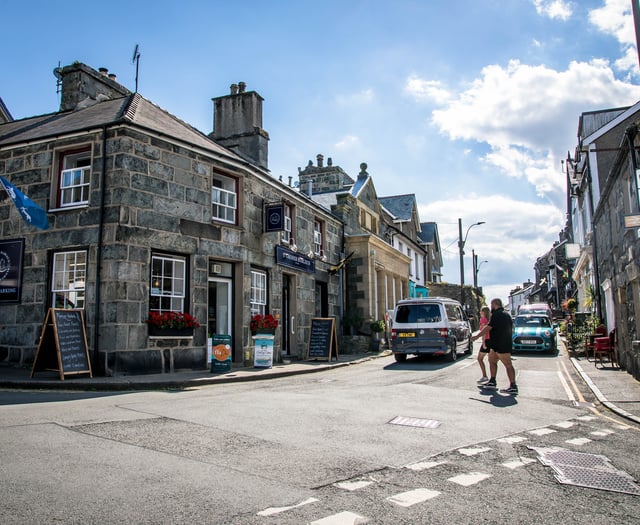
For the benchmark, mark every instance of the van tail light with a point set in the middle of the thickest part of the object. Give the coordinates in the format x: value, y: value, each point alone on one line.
x: 393, y: 334
x: 444, y: 333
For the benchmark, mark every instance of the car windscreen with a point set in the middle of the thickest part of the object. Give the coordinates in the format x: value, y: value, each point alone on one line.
x: 543, y: 322
x: 418, y: 313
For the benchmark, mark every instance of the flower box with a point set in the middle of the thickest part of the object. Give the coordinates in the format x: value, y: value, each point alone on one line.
x: 156, y: 331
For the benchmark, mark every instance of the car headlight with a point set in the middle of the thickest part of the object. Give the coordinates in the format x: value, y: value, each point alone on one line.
x: 547, y: 333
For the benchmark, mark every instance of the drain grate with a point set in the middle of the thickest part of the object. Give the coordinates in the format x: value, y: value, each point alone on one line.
x: 587, y: 470
x: 414, y: 422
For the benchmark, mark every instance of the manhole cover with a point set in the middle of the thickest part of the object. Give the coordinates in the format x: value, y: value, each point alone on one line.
x: 586, y: 470
x: 414, y: 422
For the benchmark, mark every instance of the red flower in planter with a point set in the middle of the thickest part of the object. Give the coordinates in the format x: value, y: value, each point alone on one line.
x: 262, y: 322
x: 172, y: 320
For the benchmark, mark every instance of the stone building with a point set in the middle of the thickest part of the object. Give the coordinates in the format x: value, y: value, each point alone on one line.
x: 604, y: 210
x: 385, y: 258
x: 149, y: 214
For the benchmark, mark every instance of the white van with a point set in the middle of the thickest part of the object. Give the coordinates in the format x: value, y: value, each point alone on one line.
x: 429, y: 326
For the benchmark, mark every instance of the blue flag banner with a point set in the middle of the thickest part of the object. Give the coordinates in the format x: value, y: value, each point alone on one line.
x: 30, y: 211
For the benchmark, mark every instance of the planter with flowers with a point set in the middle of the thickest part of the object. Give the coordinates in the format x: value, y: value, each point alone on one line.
x: 263, y: 324
x: 171, y: 324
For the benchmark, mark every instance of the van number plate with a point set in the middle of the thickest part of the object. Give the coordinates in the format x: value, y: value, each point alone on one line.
x: 407, y: 334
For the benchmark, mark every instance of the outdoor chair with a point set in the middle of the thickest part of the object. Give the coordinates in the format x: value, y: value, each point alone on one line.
x: 605, y: 346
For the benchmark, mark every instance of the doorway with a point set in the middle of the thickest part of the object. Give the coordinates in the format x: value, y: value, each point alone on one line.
x: 288, y: 314
x: 220, y: 318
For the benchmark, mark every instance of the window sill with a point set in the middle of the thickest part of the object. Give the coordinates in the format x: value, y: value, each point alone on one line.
x: 68, y: 208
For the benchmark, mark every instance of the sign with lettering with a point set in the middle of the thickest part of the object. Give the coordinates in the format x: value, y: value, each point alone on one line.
x: 295, y: 260
x: 63, y: 344
x: 323, y: 341
x: 11, y: 253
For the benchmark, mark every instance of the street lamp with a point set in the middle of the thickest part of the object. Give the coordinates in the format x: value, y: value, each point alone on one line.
x: 461, y: 243
x: 476, y: 269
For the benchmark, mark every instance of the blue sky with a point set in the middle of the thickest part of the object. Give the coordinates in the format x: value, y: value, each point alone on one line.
x: 469, y: 104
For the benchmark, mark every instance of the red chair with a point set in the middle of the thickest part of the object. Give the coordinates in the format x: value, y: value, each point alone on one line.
x: 605, y: 346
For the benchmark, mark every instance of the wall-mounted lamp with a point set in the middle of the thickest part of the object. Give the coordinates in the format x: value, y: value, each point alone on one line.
x: 293, y: 245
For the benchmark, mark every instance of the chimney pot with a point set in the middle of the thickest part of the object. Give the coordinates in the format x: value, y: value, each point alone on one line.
x: 320, y: 160
x: 242, y: 86
x: 104, y: 71
x: 234, y: 89
x: 329, y: 161
x: 112, y: 76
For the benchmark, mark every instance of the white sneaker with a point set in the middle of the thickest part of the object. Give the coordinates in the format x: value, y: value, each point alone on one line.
x: 482, y: 380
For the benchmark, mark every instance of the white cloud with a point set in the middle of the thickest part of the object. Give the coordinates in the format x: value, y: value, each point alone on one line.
x: 528, y: 114
x: 554, y: 8
x: 615, y: 18
x: 427, y: 90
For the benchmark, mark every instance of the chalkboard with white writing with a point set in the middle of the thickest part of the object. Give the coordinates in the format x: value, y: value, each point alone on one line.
x: 323, y: 342
x: 63, y: 344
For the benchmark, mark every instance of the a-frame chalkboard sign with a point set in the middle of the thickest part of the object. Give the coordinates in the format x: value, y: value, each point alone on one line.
x: 323, y: 341
x: 63, y: 344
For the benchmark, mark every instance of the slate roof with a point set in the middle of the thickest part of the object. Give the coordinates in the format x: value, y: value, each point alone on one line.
x: 402, y: 207
x: 133, y: 109
x: 428, y: 232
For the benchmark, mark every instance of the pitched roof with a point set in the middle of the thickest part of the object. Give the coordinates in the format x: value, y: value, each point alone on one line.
x: 402, y: 207
x: 133, y: 109
x: 428, y: 232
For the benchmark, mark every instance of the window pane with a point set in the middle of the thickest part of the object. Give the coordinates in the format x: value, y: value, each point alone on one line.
x: 69, y: 279
x: 168, y: 282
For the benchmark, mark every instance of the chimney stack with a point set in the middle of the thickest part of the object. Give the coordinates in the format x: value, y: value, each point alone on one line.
x: 83, y: 86
x: 237, y: 124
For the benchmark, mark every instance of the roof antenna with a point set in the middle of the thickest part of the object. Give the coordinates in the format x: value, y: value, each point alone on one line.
x: 58, y: 75
x: 136, y: 59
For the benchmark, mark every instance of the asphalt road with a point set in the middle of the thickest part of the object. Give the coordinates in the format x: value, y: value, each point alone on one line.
x: 379, y: 442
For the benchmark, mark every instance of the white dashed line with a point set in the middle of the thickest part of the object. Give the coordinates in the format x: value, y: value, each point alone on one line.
x: 277, y: 510
x: 516, y: 463
x: 411, y: 497
x: 602, y: 433
x: 564, y: 424
x: 511, y: 439
x: 586, y: 418
x: 542, y: 431
x: 353, y: 485
x: 578, y: 441
x: 342, y: 518
x: 466, y: 480
x: 473, y: 451
x: 424, y: 465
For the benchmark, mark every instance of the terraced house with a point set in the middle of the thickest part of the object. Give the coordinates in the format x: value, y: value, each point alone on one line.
x: 148, y: 214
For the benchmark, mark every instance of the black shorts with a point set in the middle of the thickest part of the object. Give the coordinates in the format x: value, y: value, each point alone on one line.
x: 502, y: 350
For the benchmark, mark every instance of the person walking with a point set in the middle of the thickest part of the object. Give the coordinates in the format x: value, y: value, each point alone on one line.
x: 500, y: 328
x: 485, y: 315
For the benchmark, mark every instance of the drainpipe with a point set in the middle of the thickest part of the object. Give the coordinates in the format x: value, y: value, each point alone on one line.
x: 97, y: 324
x: 594, y: 243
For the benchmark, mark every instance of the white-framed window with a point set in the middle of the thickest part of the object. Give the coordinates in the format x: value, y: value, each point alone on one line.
x: 288, y: 225
x: 224, y: 198
x: 168, y: 283
x: 74, y: 178
x: 317, y: 237
x: 258, y: 292
x: 69, y: 276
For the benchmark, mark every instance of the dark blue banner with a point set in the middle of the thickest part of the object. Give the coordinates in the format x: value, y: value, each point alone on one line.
x: 11, y: 253
x: 295, y: 260
x: 30, y: 211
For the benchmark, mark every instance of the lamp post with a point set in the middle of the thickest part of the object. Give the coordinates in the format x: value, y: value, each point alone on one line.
x: 476, y: 269
x: 461, y: 243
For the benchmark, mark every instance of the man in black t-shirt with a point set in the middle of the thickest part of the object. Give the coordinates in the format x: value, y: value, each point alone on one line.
x: 500, y: 329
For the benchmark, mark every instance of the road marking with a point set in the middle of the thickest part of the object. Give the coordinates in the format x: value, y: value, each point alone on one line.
x: 602, y: 433
x: 516, y: 463
x: 565, y: 385
x: 564, y: 424
x: 473, y: 451
x: 466, y: 480
x: 342, y: 518
x: 578, y: 441
x: 414, y: 422
x: 411, y: 497
x: 542, y: 431
x: 424, y: 465
x: 277, y: 510
x: 511, y: 439
x: 353, y: 485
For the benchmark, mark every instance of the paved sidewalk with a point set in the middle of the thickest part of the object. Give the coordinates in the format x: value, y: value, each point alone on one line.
x: 18, y: 378
x: 614, y: 388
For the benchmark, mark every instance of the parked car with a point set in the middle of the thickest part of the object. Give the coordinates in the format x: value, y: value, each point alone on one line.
x: 534, y: 332
x: 536, y: 308
x: 429, y: 326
